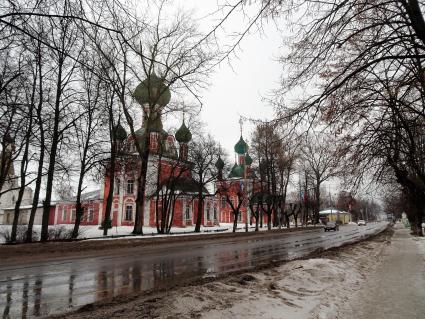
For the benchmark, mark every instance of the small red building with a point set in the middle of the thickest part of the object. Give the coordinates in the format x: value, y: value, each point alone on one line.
x: 65, y: 211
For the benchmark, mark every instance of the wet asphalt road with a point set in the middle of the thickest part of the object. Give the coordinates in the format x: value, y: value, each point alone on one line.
x: 53, y: 287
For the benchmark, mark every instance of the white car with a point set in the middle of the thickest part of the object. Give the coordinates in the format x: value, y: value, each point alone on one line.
x: 361, y: 222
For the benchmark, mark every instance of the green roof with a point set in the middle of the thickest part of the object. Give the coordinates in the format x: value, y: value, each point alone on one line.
x: 183, y: 134
x: 153, y: 91
x: 237, y: 171
x: 120, y: 133
x: 248, y: 159
x: 219, y: 164
x: 241, y: 147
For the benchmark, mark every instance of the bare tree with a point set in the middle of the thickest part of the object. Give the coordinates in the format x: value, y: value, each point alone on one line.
x: 88, y: 136
x: 65, y: 40
x: 25, y: 159
x: 319, y: 158
x: 203, y: 154
x: 168, y: 55
x: 228, y: 189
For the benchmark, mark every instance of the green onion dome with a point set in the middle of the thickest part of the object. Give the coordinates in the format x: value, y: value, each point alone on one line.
x: 237, y: 171
x: 248, y: 159
x: 219, y: 164
x: 183, y: 134
x: 120, y: 133
x: 232, y: 171
x: 152, y: 90
x: 241, y: 147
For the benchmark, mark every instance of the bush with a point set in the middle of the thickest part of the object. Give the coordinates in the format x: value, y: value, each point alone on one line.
x: 21, y: 233
x: 59, y: 233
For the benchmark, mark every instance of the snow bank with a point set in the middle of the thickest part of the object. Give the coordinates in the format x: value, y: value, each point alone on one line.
x: 301, y: 289
x: 149, y: 232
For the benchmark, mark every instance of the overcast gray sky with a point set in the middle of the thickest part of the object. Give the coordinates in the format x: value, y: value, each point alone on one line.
x: 238, y: 85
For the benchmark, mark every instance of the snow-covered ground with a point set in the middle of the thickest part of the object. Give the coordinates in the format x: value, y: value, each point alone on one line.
x: 95, y: 232
x: 148, y: 232
x: 396, y: 289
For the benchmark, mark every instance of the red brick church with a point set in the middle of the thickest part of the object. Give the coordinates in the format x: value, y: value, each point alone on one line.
x: 168, y: 157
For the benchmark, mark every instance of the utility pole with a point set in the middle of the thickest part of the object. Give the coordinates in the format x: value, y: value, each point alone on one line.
x: 305, y: 199
x: 245, y: 185
x: 330, y: 200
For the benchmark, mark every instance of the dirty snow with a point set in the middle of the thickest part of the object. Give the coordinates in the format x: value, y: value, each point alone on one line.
x: 312, y: 288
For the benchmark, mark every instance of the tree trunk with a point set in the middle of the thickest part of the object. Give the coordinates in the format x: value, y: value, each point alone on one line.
x: 110, y: 195
x: 42, y: 150
x: 79, y: 212
x: 200, y: 210
x: 23, y: 172
x: 20, y: 195
x: 317, y: 205
x: 36, y: 195
x: 78, y: 207
x: 235, y: 220
x: 140, y: 199
x: 111, y: 173
x: 52, y: 157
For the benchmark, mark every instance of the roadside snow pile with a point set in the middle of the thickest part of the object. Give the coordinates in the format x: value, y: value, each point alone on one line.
x: 297, y: 290
x: 300, y: 289
x: 314, y: 288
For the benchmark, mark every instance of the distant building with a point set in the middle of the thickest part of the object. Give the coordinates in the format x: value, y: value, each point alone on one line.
x: 10, y: 192
x: 241, y: 180
x: 334, y: 215
x: 65, y: 211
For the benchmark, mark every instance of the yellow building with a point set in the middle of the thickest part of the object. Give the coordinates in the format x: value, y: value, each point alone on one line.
x: 333, y: 214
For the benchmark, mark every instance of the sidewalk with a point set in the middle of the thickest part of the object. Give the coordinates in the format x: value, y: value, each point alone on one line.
x: 397, y: 289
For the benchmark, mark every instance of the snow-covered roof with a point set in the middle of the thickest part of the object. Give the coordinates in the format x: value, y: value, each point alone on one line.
x: 93, y: 195
x: 22, y: 207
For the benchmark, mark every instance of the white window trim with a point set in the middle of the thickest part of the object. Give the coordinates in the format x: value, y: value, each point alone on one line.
x: 125, y: 211
x: 90, y: 217
x: 132, y: 187
x: 187, y: 203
